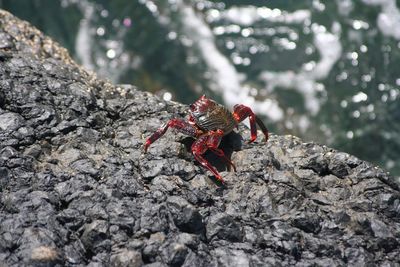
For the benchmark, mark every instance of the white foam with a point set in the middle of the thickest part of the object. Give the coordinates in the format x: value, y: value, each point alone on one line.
x: 114, y: 61
x: 224, y: 77
x: 248, y: 15
x: 389, y: 19
x: 306, y: 80
x: 84, y: 40
x: 359, y: 97
x: 345, y: 7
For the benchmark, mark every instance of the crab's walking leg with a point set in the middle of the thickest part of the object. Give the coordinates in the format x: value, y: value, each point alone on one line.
x: 178, y: 124
x: 211, y: 141
x: 220, y: 153
x: 241, y: 112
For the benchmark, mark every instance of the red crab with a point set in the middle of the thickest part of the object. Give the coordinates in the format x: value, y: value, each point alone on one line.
x: 208, y: 122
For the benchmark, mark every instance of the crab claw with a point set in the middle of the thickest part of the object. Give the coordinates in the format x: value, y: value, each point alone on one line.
x: 242, y: 112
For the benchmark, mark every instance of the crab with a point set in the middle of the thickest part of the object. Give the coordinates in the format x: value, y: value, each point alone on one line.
x: 208, y: 122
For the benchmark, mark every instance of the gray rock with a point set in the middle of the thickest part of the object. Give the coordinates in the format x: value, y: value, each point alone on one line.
x: 95, y: 236
x: 126, y: 258
x: 186, y: 217
x: 10, y: 121
x: 76, y: 188
x: 5, y: 41
x: 223, y: 226
x: 227, y: 257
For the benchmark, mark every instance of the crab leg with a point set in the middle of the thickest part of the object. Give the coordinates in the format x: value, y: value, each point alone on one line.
x: 210, y: 141
x: 178, y: 124
x: 213, y: 142
x: 241, y: 112
x: 221, y: 154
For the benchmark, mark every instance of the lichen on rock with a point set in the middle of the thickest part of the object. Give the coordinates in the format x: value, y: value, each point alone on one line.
x: 76, y: 189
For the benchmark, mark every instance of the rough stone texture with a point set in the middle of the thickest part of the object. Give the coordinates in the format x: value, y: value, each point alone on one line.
x: 77, y: 190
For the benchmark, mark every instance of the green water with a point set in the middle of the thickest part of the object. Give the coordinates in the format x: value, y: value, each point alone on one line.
x: 326, y: 71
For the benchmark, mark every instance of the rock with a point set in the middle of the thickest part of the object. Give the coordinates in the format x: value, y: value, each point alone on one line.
x: 186, y: 217
x: 126, y: 258
x: 86, y: 166
x: 338, y: 164
x: 10, y: 121
x: 95, y: 236
x: 44, y: 255
x: 38, y: 246
x: 226, y: 257
x: 223, y: 226
x: 175, y: 254
x: 5, y: 41
x: 77, y: 189
x: 309, y: 223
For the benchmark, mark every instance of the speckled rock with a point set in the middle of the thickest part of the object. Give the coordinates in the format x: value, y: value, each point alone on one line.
x: 77, y: 190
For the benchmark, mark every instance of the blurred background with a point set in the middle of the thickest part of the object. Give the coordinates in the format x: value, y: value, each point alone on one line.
x: 326, y: 71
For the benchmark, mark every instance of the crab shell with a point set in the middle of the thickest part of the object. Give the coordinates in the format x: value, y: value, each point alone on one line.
x: 208, y: 115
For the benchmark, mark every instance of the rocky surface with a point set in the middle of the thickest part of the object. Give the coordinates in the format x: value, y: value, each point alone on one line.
x: 77, y: 190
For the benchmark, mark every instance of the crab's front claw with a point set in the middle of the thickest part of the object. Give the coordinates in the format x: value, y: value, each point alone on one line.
x: 242, y: 112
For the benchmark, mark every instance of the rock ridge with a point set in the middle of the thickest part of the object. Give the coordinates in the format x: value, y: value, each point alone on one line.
x: 77, y: 190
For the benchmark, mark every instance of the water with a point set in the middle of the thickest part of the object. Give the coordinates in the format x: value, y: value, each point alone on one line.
x: 326, y: 71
